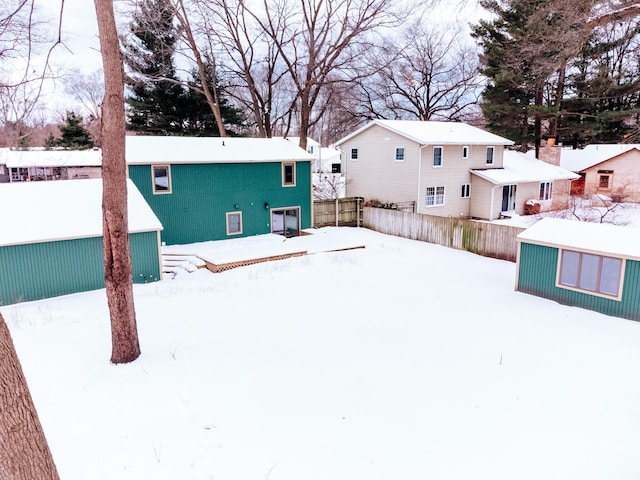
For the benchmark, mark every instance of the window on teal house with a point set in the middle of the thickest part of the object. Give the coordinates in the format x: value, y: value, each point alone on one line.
x: 234, y: 223
x: 595, y: 274
x: 161, y: 179
x: 289, y: 174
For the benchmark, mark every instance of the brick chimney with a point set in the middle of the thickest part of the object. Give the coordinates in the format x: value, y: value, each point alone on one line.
x: 550, y: 153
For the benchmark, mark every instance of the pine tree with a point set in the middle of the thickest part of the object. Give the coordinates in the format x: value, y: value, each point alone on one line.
x: 73, y: 134
x: 155, y: 103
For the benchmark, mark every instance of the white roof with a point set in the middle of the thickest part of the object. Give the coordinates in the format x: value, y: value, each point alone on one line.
x: 50, y: 158
x: 601, y: 238
x: 64, y: 209
x: 436, y: 133
x: 580, y: 159
x: 145, y: 150
x: 521, y: 168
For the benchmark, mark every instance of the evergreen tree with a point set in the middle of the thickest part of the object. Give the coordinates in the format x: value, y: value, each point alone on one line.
x: 73, y: 134
x: 155, y: 104
x: 198, y: 117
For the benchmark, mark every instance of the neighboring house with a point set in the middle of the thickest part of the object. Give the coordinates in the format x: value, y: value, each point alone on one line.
x: 53, y: 244
x: 37, y: 165
x: 212, y: 188
x: 523, y: 181
x: 610, y: 170
x: 445, y: 168
x: 590, y: 265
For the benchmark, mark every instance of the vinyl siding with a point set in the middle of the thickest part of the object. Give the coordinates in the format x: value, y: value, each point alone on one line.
x: 49, y: 269
x: 537, y: 270
x: 202, y: 194
x: 375, y: 175
x: 481, y: 205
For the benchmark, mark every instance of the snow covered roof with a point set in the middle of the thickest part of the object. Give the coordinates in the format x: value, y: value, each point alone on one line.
x: 577, y: 160
x: 441, y: 133
x: 145, y: 150
x: 64, y: 209
x: 602, y: 238
x: 50, y: 158
x: 521, y: 168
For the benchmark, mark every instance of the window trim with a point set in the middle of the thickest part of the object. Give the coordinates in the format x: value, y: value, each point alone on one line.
x: 402, y: 157
x: 545, y: 191
x: 608, y: 174
x: 169, y: 189
x: 435, y: 196
x: 433, y: 163
x: 228, y: 216
x: 465, y: 190
x: 493, y: 155
x: 465, y: 152
x: 354, y: 154
x: 293, y: 173
x: 596, y: 292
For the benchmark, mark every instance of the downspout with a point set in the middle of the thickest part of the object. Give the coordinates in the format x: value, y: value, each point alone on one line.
x: 419, y: 176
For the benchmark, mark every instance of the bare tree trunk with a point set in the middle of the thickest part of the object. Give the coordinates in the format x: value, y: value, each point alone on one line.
x: 24, y: 452
x: 117, y: 255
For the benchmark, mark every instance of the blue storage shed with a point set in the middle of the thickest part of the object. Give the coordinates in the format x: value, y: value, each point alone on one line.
x: 590, y: 265
x: 51, y: 241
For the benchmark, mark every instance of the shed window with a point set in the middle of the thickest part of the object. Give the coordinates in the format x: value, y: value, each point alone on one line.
x: 161, y: 179
x: 437, y: 156
x: 399, y: 154
x: 490, y: 153
x: 591, y: 273
x: 234, y: 223
x: 289, y: 174
x: 546, y: 189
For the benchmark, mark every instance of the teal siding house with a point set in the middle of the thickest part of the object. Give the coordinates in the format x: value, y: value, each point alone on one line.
x: 590, y: 265
x: 212, y: 188
x: 53, y: 246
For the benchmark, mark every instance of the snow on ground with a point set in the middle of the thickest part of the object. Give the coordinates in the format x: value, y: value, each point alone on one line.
x: 402, y: 360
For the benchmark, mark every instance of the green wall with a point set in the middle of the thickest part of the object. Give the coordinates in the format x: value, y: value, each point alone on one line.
x: 537, y: 276
x: 202, y: 194
x: 42, y: 270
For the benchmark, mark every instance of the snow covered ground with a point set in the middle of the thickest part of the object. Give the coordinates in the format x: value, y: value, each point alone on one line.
x: 402, y: 360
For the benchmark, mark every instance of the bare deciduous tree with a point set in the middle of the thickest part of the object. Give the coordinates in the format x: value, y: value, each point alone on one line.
x: 88, y: 90
x: 24, y: 452
x: 117, y: 255
x: 424, y: 74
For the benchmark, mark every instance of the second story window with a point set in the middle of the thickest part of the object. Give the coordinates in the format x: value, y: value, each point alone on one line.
x: 399, y: 154
x: 490, y: 153
x: 437, y: 156
x: 288, y: 174
x: 465, y: 152
x: 354, y: 154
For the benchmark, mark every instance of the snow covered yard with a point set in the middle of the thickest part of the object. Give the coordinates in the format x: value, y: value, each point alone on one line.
x: 402, y: 360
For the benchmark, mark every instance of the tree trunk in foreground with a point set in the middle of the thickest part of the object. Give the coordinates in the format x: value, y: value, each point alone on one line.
x: 117, y: 255
x: 24, y: 452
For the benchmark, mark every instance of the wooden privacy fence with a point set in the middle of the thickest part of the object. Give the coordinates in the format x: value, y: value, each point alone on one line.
x: 343, y: 212
x: 488, y: 239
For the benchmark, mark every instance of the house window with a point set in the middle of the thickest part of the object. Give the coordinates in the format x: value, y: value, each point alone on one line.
x: 604, y: 179
x: 336, y: 167
x: 590, y: 273
x: 546, y: 189
x: 435, y: 196
x: 490, y: 153
x: 354, y: 154
x: 399, y: 154
x: 161, y: 179
x: 466, y: 190
x: 437, y: 156
x: 465, y: 152
x: 289, y: 174
x: 234, y: 223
